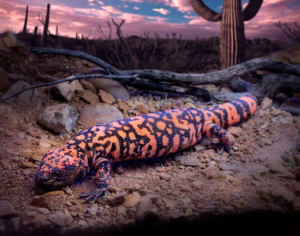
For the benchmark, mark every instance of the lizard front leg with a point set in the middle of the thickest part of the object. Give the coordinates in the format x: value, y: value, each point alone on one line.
x: 102, y: 179
x: 213, y: 130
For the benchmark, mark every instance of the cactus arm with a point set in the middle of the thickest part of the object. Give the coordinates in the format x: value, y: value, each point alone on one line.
x: 204, y: 11
x: 251, y: 9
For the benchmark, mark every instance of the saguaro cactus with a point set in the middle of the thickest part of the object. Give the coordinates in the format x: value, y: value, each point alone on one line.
x: 46, y: 24
x: 232, y: 34
x: 25, y: 21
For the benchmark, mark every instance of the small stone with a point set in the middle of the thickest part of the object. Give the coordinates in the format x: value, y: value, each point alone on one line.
x: 186, y: 188
x: 60, y: 118
x: 68, y: 190
x: 275, y: 112
x: 27, y: 164
x: 7, y: 210
x: 197, y: 184
x: 283, y: 196
x: 92, y: 210
x: 187, y: 161
x: 276, y: 166
x: 186, y: 200
x: 121, y: 210
x: 223, y: 166
x: 132, y: 199
x: 297, y: 188
x: 30, y: 214
x: 165, y: 176
x: 210, y: 153
x: 142, y: 108
x: 235, y: 131
x: 61, y: 218
x: 44, y: 144
x: 266, y: 103
x: 6, y: 165
x: 144, y: 212
x: 82, y: 223
x: 43, y: 210
x: 51, y: 200
x: 212, y: 172
x: 169, y: 203
x: 106, y: 97
x: 36, y: 158
x: 89, y: 96
x: 115, y: 200
x: 266, y: 141
x: 67, y: 90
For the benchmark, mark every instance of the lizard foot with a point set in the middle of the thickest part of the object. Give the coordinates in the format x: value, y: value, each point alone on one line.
x: 226, y: 148
x: 92, y: 196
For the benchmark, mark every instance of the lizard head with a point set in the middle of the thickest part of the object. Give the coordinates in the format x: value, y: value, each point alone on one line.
x: 57, y: 169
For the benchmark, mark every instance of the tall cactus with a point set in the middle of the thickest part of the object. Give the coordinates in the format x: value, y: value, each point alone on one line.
x: 25, y: 21
x: 232, y: 34
x: 46, y: 24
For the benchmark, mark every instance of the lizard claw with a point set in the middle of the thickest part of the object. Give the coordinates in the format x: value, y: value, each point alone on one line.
x: 92, y: 196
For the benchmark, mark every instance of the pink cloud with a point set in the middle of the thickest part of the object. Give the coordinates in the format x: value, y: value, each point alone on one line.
x: 161, y: 10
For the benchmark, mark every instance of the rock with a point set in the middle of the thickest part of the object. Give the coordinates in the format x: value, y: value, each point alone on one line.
x: 25, y: 99
x: 169, y: 203
x: 6, y: 165
x: 197, y: 184
x: 82, y: 223
x: 115, y: 200
x: 291, y: 106
x: 60, y: 118
x: 223, y: 166
x: 51, y: 200
x: 211, y: 172
x: 186, y: 188
x: 13, y: 226
x: 275, y: 112
x: 276, y: 166
x: 43, y: 210
x: 88, y: 85
x: 15, y: 77
x: 297, y: 188
x: 187, y: 161
x: 235, y: 131
x: 7, y: 210
x: 121, y: 210
x: 92, y: 210
x: 106, y: 97
x: 210, y: 153
x: 88, y: 96
x: 115, y: 88
x: 61, y: 218
x: 266, y: 103
x: 142, y: 108
x: 144, y: 213
x: 4, y: 83
x: 99, y: 113
x: 283, y: 196
x: 132, y: 199
x: 67, y: 90
x: 165, y: 176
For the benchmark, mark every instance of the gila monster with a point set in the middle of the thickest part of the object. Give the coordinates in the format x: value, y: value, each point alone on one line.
x: 145, y: 136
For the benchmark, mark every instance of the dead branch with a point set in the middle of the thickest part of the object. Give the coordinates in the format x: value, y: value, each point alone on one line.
x: 287, y: 77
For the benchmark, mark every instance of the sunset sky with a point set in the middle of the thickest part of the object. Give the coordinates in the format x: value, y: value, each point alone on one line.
x: 160, y: 16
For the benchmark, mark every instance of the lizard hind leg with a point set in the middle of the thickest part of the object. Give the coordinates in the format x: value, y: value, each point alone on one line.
x: 102, y: 179
x: 213, y: 130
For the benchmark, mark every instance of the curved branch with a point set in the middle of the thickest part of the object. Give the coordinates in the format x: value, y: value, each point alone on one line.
x: 204, y: 11
x: 40, y: 50
x: 251, y: 9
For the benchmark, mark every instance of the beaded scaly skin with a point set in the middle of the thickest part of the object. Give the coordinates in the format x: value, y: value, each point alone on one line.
x: 145, y: 136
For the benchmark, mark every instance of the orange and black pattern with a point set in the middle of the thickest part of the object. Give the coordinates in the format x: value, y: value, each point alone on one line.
x: 154, y: 134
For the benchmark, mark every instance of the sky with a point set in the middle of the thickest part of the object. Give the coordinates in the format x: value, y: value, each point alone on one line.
x: 153, y: 16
